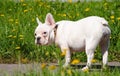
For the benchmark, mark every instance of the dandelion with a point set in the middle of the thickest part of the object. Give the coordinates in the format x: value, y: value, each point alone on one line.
x: 118, y: 18
x: 17, y: 48
x: 86, y: 70
x: 24, y: 60
x: 78, y: 14
x: 69, y: 71
x: 13, y: 42
x: 25, y: 11
x: 112, y: 17
x: 21, y: 0
x: 62, y: 73
x: 64, y: 52
x: 21, y: 36
x: 16, y: 22
x: 11, y: 20
x: 87, y: 9
x: 52, y: 67
x: 30, y: 9
x: 105, y: 4
x: 64, y: 15
x: 13, y: 30
x: 110, y: 37
x: 10, y: 36
x: 54, y: 53
x: 14, y: 37
x: 93, y: 60
x: 33, y: 19
x: 48, y: 6
x: 2, y: 15
x: 75, y: 61
x: 43, y: 65
x: 24, y: 4
x: 47, y: 53
x: 70, y: 1
x: 113, y: 21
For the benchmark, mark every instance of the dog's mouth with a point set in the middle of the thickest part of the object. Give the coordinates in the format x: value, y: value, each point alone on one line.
x: 39, y: 43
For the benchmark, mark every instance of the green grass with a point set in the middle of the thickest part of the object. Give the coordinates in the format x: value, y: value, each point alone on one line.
x: 18, y: 22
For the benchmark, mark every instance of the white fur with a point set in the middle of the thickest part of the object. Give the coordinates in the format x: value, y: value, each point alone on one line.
x: 84, y: 34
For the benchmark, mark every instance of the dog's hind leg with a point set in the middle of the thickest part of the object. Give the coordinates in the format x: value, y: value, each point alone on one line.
x: 104, y: 48
x: 91, y: 45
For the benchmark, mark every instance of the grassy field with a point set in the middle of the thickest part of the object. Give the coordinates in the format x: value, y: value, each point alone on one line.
x: 17, y: 24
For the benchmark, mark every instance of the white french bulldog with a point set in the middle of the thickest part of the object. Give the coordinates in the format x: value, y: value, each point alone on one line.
x: 84, y: 34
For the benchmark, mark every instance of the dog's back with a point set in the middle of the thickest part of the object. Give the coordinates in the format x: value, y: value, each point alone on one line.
x: 75, y: 34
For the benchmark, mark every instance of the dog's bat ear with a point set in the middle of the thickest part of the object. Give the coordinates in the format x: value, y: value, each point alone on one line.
x: 38, y: 21
x: 50, y: 20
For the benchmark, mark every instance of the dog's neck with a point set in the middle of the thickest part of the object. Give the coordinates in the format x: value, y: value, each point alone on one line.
x: 53, y: 34
x: 55, y: 31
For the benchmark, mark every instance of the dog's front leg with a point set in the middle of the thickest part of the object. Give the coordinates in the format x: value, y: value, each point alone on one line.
x: 67, y: 56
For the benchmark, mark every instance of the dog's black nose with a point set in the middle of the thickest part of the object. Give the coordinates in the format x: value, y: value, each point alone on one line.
x: 38, y: 38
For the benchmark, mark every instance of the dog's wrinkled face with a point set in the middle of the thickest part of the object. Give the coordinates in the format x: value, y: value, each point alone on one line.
x: 44, y: 33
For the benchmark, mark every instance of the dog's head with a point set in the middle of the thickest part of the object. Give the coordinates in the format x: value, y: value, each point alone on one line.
x: 44, y: 33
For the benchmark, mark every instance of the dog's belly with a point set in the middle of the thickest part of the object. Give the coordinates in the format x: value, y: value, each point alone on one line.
x: 78, y: 45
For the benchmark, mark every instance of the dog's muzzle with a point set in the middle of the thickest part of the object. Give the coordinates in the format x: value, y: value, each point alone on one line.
x: 38, y: 40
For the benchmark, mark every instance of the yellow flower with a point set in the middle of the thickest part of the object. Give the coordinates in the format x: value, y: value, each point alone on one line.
x: 13, y: 30
x: 86, y: 70
x: 75, y: 61
x: 112, y: 17
x: 105, y: 4
x: 21, y: 0
x: 10, y: 36
x: 16, y: 22
x: 14, y: 37
x: 110, y: 37
x: 118, y: 18
x: 52, y: 67
x: 2, y: 15
x: 64, y: 52
x: 47, y: 53
x: 30, y: 9
x: 43, y: 65
x: 17, y: 48
x: 64, y: 15
x: 33, y: 20
x: 70, y: 1
x: 69, y: 71
x: 24, y: 60
x: 62, y: 73
x: 113, y: 21
x: 11, y: 20
x: 24, y: 4
x: 21, y: 36
x: 54, y: 53
x: 93, y: 60
x: 87, y: 9
x: 78, y: 14
x: 25, y: 11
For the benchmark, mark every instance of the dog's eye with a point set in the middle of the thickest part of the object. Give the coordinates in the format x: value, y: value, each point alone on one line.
x: 44, y: 32
x: 35, y: 34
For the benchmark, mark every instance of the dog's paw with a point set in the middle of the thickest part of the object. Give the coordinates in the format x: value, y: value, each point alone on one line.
x: 66, y: 65
x: 85, y: 69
